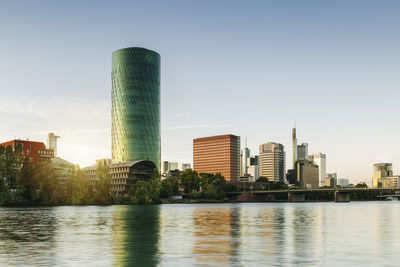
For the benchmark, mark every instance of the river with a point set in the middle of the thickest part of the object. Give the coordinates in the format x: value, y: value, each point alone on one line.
x: 244, y: 234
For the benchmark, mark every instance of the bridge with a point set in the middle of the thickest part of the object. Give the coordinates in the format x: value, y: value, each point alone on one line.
x: 299, y: 195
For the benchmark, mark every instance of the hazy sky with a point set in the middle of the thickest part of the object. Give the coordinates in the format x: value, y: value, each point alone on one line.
x: 248, y: 68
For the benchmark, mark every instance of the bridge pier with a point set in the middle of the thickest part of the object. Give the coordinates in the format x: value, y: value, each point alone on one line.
x: 341, y: 196
x: 296, y: 197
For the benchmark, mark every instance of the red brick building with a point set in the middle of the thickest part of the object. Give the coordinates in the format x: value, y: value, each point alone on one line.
x: 218, y: 154
x: 33, y: 151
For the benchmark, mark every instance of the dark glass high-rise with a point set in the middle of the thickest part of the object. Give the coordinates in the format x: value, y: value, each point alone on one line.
x: 136, y: 105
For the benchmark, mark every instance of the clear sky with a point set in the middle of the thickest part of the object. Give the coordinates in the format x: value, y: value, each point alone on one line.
x: 248, y: 68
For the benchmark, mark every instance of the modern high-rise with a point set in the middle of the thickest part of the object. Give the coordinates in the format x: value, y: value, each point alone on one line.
x: 320, y: 160
x: 302, y: 151
x: 136, y: 105
x: 294, y: 148
x: 244, y: 158
x: 52, y: 142
x: 218, y: 154
x: 272, y: 161
x: 381, y: 171
x: 305, y: 174
x: 168, y: 166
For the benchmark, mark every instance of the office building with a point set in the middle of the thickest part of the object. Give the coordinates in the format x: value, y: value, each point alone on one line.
x: 302, y: 151
x: 168, y: 166
x: 331, y: 179
x: 253, y: 168
x: 272, y: 161
x: 186, y: 166
x: 391, y: 182
x: 320, y: 160
x: 124, y: 174
x: 218, y: 154
x: 32, y: 151
x: 52, y: 142
x: 381, y: 171
x: 135, y: 111
x: 305, y: 174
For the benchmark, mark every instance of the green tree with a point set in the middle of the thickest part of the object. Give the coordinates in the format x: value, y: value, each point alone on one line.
x: 362, y: 185
x: 190, y: 181
x: 262, y: 179
x: 101, y: 187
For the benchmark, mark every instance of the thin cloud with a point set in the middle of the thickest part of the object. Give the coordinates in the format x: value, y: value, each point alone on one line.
x: 181, y: 114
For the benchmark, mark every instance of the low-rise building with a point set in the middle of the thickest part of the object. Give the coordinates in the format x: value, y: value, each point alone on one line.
x: 63, y: 169
x: 32, y: 151
x: 124, y: 174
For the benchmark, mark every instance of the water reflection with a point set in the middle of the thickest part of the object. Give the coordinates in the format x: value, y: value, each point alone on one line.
x: 247, y: 234
x: 136, y: 235
x: 213, y: 235
x: 26, y: 232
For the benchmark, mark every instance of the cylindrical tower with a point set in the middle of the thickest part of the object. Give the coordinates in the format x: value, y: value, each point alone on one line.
x: 136, y: 105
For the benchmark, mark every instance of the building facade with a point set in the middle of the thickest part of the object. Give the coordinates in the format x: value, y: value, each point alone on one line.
x: 125, y: 174
x: 331, y: 179
x: 305, y: 174
x: 294, y: 148
x: 218, y: 154
x: 32, y: 151
x: 243, y: 161
x: 136, y: 105
x: 302, y: 151
x: 320, y: 160
x: 272, y: 161
x: 381, y: 171
x: 63, y: 169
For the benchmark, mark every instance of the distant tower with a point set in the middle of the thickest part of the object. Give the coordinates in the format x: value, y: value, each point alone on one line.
x: 245, y: 156
x: 52, y: 142
x: 294, y: 147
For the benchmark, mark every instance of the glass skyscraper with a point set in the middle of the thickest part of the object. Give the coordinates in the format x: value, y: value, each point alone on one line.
x: 136, y: 105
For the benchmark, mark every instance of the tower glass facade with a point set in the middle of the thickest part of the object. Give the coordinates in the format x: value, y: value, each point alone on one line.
x: 136, y: 105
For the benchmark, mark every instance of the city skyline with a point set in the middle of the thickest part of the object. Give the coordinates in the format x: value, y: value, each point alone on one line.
x: 341, y: 93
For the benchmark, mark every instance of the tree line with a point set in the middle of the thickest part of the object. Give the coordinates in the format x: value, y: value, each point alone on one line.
x: 22, y: 183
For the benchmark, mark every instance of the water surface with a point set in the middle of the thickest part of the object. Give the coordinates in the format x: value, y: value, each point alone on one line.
x: 246, y: 234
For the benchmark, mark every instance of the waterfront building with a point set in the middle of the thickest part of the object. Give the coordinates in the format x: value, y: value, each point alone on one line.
x: 343, y: 182
x: 302, y: 151
x: 381, y: 171
x: 91, y: 171
x: 272, y: 161
x: 186, y: 166
x: 391, y: 182
x: 135, y: 111
x: 63, y: 169
x: 124, y: 174
x: 320, y: 160
x: 32, y: 151
x: 218, y: 154
x: 52, y: 142
x: 305, y: 174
